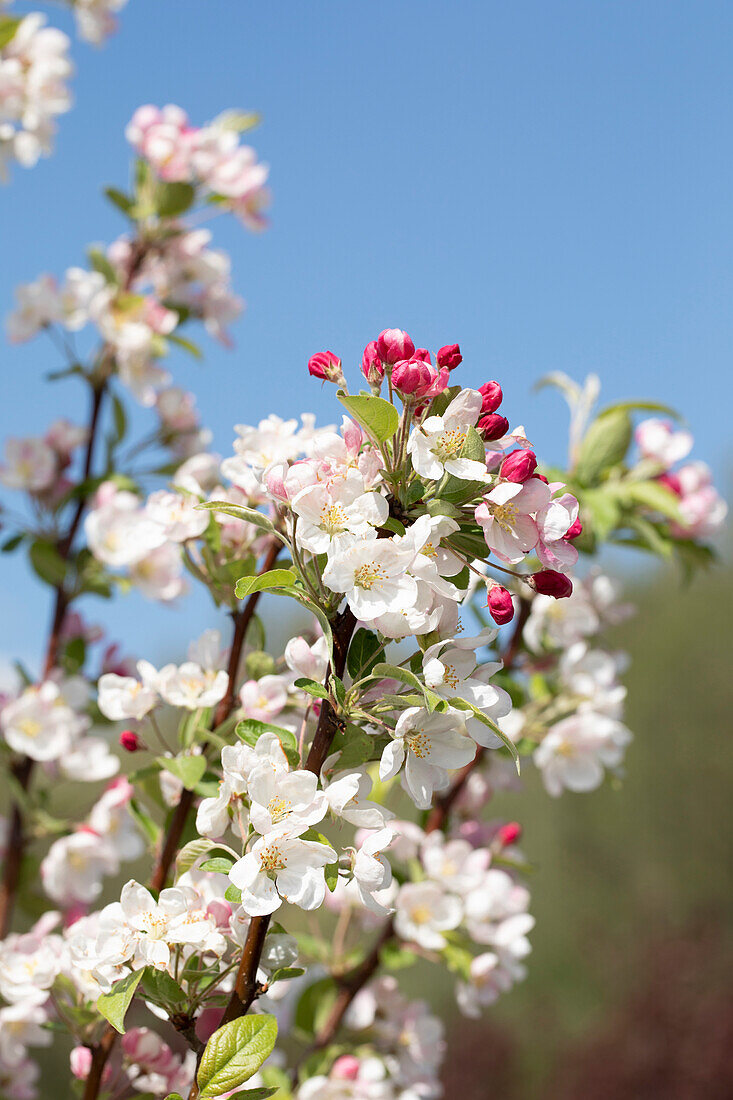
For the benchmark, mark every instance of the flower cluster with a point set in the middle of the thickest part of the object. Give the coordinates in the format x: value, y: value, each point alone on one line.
x: 442, y: 647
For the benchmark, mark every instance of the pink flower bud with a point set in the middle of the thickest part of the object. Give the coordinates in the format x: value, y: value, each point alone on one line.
x: 548, y: 582
x: 492, y: 395
x: 493, y: 426
x: 371, y: 364
x: 518, y: 466
x: 671, y: 482
x: 275, y: 481
x: 80, y: 1061
x: 327, y: 366
x: 449, y: 356
x: 130, y: 741
x: 499, y: 603
x: 409, y: 375
x: 422, y: 354
x: 393, y: 345
x: 574, y: 530
x: 345, y: 1068
x: 509, y: 834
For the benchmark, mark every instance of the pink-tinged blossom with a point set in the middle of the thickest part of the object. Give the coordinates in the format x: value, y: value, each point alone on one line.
x: 38, y: 305
x: 554, y: 523
x: 164, y: 138
x: 80, y: 1062
x: 576, y: 750
x: 506, y: 517
x: 75, y: 866
x: 661, y: 442
x: 702, y: 508
x: 30, y: 465
x: 393, y: 345
x: 263, y: 699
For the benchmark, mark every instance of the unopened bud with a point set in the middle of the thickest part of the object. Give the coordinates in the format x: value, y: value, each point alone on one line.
x: 671, y: 482
x: 493, y: 426
x: 518, y: 466
x: 410, y: 375
x: 548, y: 582
x: 509, y: 834
x: 492, y: 397
x: 499, y: 603
x: 371, y: 364
x: 80, y: 1062
x: 326, y: 366
x: 423, y: 354
x: 394, y: 345
x: 449, y: 356
x: 130, y: 741
x: 346, y: 1068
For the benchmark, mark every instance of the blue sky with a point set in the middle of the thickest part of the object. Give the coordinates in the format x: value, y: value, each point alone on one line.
x: 547, y: 183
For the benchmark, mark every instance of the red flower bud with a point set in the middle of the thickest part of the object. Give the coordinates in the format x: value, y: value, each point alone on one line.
x: 327, y: 366
x: 518, y: 466
x: 410, y: 375
x: 548, y: 582
x: 450, y: 357
x: 422, y: 354
x: 574, y: 530
x: 493, y: 426
x: 492, y: 395
x: 671, y: 482
x: 393, y: 345
x: 509, y: 834
x: 371, y: 364
x: 130, y: 741
x: 499, y: 603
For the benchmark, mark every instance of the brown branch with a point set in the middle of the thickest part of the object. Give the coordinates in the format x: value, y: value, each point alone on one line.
x: 22, y: 769
x: 246, y: 987
x: 351, y: 983
x: 171, y: 843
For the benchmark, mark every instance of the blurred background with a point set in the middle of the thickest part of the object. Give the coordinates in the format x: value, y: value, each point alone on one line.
x: 550, y: 185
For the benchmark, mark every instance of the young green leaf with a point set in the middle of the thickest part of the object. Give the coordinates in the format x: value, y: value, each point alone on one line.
x: 221, y: 865
x: 234, y: 1053
x: 192, y: 851
x: 394, y: 672
x: 114, y: 1005
x: 189, y: 769
x: 604, y: 445
x: 239, y: 511
x: 378, y: 417
x: 311, y: 687
x: 265, y: 582
x: 363, y: 652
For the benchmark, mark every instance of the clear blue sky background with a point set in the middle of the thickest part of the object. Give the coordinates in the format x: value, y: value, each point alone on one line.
x: 549, y: 183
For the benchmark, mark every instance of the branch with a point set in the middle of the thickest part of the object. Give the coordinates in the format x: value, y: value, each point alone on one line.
x: 351, y: 983
x: 242, y: 618
x: 22, y: 770
x: 246, y: 987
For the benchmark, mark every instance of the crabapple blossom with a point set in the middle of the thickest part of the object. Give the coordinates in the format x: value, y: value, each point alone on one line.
x: 429, y: 746
x: 424, y: 910
x: 576, y: 750
x: 282, y: 868
x: 436, y: 445
x: 122, y: 697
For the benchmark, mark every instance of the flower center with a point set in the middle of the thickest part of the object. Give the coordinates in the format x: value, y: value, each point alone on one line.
x: 278, y: 808
x: 31, y: 727
x: 421, y: 914
x: 450, y: 676
x: 368, y: 575
x: 450, y: 443
x: 418, y: 743
x: 333, y: 518
x: 505, y: 515
x: 272, y: 859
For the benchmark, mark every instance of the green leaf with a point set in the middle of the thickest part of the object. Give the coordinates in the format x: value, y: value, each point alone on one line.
x: 235, y: 1052
x: 144, y: 820
x: 192, y: 851
x: 654, y: 495
x: 394, y: 672
x: 640, y: 406
x: 159, y: 986
x: 363, y: 652
x: 8, y: 26
x: 114, y: 1005
x: 119, y: 199
x: 47, y: 563
x: 258, y: 663
x: 185, y: 345
x: 250, y: 730
x: 359, y: 748
x: 378, y: 417
x: 12, y: 543
x: 255, y: 1094
x: 463, y: 704
x: 120, y: 419
x: 604, y: 445
x: 283, y: 973
x: 602, y: 507
x: 331, y: 871
x: 172, y: 199
x: 219, y: 865
x: 233, y: 894
x: 189, y: 769
x: 265, y: 582
x: 312, y: 687
x: 239, y: 121
x: 100, y: 263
